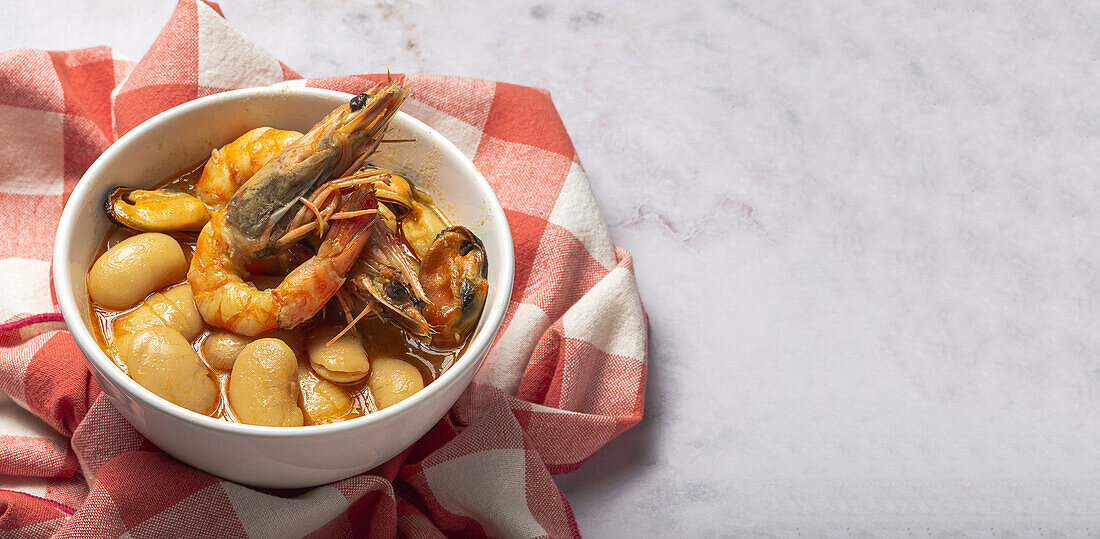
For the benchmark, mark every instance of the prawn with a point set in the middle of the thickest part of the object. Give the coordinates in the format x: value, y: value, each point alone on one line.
x: 225, y: 299
x: 255, y: 221
x: 262, y: 210
x: 233, y: 164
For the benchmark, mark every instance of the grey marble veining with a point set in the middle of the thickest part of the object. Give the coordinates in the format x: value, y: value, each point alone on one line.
x: 866, y: 238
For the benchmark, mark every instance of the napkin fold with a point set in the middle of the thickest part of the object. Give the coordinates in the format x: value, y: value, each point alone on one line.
x: 565, y: 375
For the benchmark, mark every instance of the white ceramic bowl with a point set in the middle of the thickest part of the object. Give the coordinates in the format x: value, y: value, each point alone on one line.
x: 279, y: 457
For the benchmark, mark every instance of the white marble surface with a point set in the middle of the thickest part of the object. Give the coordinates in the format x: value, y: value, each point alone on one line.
x: 866, y: 237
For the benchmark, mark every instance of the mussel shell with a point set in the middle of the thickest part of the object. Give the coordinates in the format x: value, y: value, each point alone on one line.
x: 453, y: 274
x: 162, y: 210
x: 473, y: 242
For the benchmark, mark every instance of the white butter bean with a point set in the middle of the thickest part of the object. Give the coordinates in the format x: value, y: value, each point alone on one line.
x: 162, y: 360
x: 293, y: 338
x: 174, y: 308
x: 393, y: 380
x: 263, y: 387
x: 143, y: 317
x: 420, y: 227
x: 220, y: 349
x: 322, y: 401
x: 133, y: 268
x: 343, y: 361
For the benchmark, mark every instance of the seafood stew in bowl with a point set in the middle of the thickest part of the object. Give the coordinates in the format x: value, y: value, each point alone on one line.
x: 171, y: 151
x: 289, y: 279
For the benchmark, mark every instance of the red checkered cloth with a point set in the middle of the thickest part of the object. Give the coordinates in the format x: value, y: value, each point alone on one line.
x: 565, y: 375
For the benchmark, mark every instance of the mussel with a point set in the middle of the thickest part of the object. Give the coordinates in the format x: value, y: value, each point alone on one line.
x: 162, y: 210
x: 453, y: 274
x: 440, y: 298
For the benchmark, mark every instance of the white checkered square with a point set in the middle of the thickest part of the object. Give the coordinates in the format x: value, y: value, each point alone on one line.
x: 576, y: 211
x: 25, y: 288
x: 459, y: 486
x: 610, y: 316
x: 507, y: 361
x: 33, y: 151
x: 228, y: 59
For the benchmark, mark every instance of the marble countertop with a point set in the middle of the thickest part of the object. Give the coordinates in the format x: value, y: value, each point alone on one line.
x: 866, y: 238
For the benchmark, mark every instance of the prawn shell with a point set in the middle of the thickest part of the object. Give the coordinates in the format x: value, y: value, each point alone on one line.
x: 401, y: 308
x: 262, y: 208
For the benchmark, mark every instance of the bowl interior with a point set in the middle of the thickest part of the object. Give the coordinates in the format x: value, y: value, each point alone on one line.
x: 183, y: 136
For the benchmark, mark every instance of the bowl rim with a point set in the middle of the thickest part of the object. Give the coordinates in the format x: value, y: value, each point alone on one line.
x: 472, y: 358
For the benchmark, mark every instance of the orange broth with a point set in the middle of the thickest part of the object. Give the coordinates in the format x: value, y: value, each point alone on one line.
x: 379, y: 338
